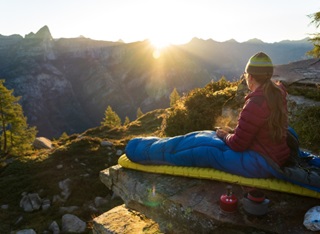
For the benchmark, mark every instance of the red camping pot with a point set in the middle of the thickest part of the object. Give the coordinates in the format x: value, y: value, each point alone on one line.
x: 256, y: 196
x: 255, y: 202
x: 228, y: 201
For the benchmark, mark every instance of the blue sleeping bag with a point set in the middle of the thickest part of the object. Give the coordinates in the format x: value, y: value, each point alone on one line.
x: 198, y: 149
x: 205, y: 149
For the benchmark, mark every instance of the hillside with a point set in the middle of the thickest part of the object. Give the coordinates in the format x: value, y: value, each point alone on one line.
x: 67, y: 83
x: 77, y: 159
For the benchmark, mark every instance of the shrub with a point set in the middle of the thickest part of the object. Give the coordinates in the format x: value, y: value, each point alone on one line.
x: 200, y: 108
x: 308, y: 92
x: 307, y: 125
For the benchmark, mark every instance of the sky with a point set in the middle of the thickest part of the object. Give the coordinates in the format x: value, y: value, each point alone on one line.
x: 162, y: 21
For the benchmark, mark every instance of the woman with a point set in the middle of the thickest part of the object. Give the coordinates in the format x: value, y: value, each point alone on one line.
x: 262, y: 124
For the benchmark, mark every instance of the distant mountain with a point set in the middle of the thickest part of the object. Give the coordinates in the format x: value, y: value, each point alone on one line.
x: 66, y: 84
x: 229, y: 58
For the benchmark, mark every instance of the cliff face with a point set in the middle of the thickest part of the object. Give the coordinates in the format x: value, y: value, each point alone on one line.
x: 67, y: 84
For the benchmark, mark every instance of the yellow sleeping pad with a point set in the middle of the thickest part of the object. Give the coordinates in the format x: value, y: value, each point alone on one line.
x: 213, y: 174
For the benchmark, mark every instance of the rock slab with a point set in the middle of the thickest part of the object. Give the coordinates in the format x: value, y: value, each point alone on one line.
x: 188, y: 205
x: 123, y: 220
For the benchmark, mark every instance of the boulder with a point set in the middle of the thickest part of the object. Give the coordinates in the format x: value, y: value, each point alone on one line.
x: 64, y: 185
x: 42, y: 143
x: 30, y: 202
x: 54, y: 228
x: 71, y: 223
x: 192, y: 205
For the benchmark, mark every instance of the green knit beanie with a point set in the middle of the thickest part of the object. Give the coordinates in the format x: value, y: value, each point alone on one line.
x: 261, y: 65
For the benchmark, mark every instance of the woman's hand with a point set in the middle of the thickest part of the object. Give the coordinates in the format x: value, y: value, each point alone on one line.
x: 221, y: 133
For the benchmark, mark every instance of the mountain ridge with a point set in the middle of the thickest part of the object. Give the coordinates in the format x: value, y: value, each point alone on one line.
x: 45, y: 32
x: 66, y: 84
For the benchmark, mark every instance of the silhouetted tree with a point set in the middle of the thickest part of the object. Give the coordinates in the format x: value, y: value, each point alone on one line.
x: 111, y: 118
x: 15, y: 135
x: 315, y: 52
x: 126, y: 121
x: 63, y: 136
x: 174, y: 97
x: 139, y: 112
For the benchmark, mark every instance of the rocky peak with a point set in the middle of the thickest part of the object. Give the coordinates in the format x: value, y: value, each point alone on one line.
x: 43, y: 33
x: 39, y: 44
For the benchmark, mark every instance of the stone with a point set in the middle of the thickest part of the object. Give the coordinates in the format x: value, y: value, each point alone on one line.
x: 65, y: 187
x: 35, y: 201
x: 312, y: 219
x: 26, y: 231
x: 119, y: 152
x: 45, y: 204
x: 30, y: 202
x: 5, y: 207
x: 71, y: 223
x: 100, y: 201
x: 25, y: 204
x: 92, y: 208
x: 106, y: 143
x: 54, y: 228
x: 123, y: 220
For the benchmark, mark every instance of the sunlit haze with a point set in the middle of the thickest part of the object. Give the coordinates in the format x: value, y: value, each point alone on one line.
x: 161, y: 21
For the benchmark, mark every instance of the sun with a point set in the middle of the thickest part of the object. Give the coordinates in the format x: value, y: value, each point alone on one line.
x: 159, y: 44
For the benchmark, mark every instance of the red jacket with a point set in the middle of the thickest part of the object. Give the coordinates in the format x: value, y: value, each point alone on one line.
x: 252, y: 131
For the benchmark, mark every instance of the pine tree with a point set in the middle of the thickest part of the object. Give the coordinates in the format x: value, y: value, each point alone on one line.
x: 126, y: 121
x: 63, y: 136
x: 16, y: 137
x: 111, y: 118
x: 139, y: 112
x: 174, y: 97
x: 315, y: 52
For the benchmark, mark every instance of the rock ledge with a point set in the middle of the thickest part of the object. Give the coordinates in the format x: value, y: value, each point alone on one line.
x: 187, y: 205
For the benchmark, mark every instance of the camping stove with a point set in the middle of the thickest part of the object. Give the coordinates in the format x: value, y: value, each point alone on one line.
x: 228, y: 201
